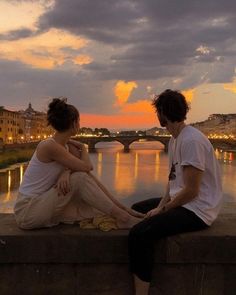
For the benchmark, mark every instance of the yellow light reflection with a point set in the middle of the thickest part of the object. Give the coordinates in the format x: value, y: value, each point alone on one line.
x: 8, y: 195
x: 217, y: 153
x: 136, y: 166
x: 99, y: 165
x: 157, y: 165
x: 21, y: 173
x: 124, y: 182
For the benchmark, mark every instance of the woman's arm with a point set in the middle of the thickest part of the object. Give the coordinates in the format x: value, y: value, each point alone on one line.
x: 79, y: 150
x: 52, y: 151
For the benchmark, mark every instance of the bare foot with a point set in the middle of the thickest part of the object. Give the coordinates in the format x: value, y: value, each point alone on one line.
x: 129, y: 223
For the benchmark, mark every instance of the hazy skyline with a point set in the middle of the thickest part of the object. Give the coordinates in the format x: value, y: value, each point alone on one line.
x: 110, y: 57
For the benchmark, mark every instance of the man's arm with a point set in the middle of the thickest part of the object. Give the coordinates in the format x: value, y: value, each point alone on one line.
x: 166, y: 198
x: 162, y: 203
x: 192, y: 179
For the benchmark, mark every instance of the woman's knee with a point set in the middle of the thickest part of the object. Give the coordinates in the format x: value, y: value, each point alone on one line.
x: 77, y: 178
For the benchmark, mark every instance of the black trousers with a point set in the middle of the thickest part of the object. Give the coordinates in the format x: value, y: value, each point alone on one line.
x: 143, y: 235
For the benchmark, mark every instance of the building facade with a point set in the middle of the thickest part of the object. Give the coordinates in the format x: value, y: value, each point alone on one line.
x: 9, y: 126
x: 23, y: 126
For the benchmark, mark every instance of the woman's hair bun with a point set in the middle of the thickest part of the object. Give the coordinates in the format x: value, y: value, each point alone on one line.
x: 57, y: 105
x: 60, y: 115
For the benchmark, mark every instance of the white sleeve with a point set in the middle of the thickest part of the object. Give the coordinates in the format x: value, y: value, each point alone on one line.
x: 193, y: 154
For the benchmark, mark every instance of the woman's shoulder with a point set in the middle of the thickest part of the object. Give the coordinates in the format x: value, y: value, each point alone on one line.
x: 46, y: 143
x: 45, y: 148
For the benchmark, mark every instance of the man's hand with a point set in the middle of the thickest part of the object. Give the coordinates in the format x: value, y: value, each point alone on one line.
x: 63, y: 183
x: 155, y: 211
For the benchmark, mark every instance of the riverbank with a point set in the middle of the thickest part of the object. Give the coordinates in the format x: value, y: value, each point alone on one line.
x: 10, y: 157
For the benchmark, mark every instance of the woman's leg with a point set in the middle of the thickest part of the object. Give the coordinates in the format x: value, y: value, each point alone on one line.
x: 143, y: 236
x: 83, y: 187
x: 50, y: 208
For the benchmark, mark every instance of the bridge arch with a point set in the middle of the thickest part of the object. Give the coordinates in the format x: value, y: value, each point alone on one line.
x: 149, y: 143
x: 126, y: 141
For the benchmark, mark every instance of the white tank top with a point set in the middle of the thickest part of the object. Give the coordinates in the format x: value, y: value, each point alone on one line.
x: 39, y: 177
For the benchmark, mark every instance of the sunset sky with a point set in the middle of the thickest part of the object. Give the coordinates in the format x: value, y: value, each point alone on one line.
x: 110, y: 57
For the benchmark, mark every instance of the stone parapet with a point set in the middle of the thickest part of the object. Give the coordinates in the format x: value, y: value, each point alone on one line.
x: 68, y: 260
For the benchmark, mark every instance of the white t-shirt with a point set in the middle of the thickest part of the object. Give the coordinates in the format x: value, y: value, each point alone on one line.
x: 193, y: 148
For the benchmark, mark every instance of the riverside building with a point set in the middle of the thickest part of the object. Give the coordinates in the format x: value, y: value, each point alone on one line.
x: 23, y: 126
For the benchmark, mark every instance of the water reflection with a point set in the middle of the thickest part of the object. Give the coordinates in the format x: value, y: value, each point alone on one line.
x: 133, y: 176
x: 10, y: 180
x: 225, y: 157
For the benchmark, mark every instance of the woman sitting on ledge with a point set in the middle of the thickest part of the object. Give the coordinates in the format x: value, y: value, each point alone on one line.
x: 58, y: 186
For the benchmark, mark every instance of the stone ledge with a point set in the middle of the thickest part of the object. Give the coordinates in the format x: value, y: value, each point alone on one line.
x: 66, y: 260
x: 70, y: 244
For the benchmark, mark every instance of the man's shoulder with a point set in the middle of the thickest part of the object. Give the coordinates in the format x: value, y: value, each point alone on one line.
x: 194, y: 137
x: 193, y: 134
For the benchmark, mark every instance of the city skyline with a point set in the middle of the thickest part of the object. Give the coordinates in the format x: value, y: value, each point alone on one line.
x: 110, y: 58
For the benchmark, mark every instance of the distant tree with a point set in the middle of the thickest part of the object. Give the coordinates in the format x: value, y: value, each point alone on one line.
x: 101, y: 131
x: 85, y: 130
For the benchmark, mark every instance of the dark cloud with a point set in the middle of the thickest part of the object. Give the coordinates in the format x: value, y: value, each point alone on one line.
x: 17, y: 34
x: 22, y: 84
x: 102, y: 20
x: 155, y: 42
x: 150, y: 39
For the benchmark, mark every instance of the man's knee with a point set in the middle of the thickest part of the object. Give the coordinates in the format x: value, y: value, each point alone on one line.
x: 138, y: 207
x: 139, y: 231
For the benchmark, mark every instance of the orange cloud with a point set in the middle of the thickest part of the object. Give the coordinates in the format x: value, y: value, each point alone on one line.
x: 123, y: 90
x: 141, y: 106
x: 44, y: 51
x: 134, y: 114
x: 189, y: 93
x: 231, y: 86
x: 21, y: 15
x: 82, y: 60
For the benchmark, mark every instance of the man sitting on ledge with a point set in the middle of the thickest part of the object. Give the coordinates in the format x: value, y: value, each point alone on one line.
x: 194, y: 191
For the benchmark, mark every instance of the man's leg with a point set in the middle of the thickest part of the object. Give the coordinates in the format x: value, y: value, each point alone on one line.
x: 147, y: 205
x: 143, y: 236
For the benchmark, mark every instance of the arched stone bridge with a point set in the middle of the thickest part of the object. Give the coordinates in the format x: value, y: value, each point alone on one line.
x: 126, y: 141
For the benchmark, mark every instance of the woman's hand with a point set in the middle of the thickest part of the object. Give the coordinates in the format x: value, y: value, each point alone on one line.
x: 76, y: 143
x: 63, y: 183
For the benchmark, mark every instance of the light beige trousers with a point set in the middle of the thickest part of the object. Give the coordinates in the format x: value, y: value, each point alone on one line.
x: 85, y: 200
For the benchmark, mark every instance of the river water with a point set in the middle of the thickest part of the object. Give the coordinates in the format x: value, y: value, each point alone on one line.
x: 131, y: 177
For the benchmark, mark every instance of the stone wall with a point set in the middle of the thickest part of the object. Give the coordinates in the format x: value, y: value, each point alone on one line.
x: 68, y: 260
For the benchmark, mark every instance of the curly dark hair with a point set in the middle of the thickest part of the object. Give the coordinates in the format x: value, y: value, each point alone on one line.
x: 60, y: 115
x: 172, y: 104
